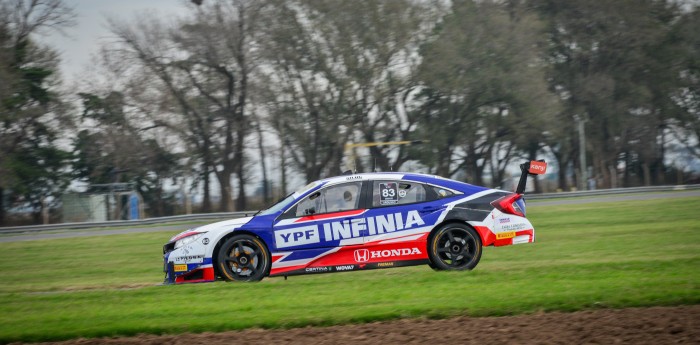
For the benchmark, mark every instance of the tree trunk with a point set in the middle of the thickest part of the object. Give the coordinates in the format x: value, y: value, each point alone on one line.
x: 206, y: 203
x: 443, y: 163
x: 647, y: 174
x: 241, y: 202
x: 226, y: 203
x: 660, y: 171
x: 283, y: 172
x: 36, y: 216
x: 473, y: 175
x: 261, y: 147
x: 2, y: 206
x: 160, y: 203
x: 44, y: 211
x: 561, y: 172
x: 576, y: 178
x: 379, y: 160
x: 602, y: 168
x: 626, y: 174
x: 613, y: 175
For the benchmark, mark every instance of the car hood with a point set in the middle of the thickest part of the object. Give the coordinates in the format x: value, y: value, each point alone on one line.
x: 226, y: 225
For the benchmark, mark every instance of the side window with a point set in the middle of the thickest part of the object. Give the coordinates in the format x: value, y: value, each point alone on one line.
x: 387, y: 193
x: 332, y: 199
x: 442, y: 193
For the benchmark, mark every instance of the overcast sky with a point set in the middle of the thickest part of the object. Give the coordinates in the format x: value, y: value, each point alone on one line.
x: 82, y: 40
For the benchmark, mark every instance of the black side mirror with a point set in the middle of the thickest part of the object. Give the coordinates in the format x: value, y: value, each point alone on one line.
x: 309, y: 211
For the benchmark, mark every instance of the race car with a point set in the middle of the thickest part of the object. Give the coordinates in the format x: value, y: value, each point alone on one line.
x: 356, y: 222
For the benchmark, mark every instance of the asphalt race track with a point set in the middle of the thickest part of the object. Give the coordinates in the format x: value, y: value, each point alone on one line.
x: 181, y: 227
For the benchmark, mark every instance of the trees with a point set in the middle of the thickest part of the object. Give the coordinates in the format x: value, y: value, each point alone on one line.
x: 485, y: 98
x: 203, y: 64
x: 615, y: 65
x: 378, y: 44
x: 343, y: 72
x: 686, y: 127
x: 505, y: 82
x: 115, y: 149
x: 32, y: 168
x: 306, y: 102
x: 485, y: 81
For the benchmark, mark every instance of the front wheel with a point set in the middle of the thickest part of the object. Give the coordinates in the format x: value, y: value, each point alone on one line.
x: 243, y: 258
x: 454, y: 246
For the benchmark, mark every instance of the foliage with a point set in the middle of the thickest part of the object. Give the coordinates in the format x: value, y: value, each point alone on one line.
x: 485, y: 98
x: 200, y: 69
x: 615, y: 65
x: 33, y: 169
x: 114, y: 150
x: 208, y: 96
x: 686, y: 127
x: 343, y: 72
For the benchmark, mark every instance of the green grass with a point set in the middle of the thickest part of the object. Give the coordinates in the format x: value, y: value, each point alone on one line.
x: 610, y: 255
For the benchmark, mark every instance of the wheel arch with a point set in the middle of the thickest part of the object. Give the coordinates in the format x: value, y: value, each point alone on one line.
x: 440, y: 225
x: 443, y: 223
x: 223, y: 239
x: 449, y: 221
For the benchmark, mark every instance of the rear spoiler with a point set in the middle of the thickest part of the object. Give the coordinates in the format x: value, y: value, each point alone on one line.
x: 538, y: 167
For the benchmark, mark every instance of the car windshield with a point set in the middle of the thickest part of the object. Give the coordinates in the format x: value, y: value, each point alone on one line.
x: 282, y: 204
x: 279, y: 205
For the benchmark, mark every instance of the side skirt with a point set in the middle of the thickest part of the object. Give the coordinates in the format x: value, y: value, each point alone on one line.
x: 352, y: 267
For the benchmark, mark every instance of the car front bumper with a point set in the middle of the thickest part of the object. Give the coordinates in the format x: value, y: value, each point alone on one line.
x: 182, y: 265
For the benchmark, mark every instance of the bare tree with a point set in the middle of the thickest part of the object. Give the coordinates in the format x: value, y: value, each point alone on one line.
x: 305, y: 98
x: 36, y: 16
x: 203, y: 62
x: 377, y: 44
x: 342, y: 72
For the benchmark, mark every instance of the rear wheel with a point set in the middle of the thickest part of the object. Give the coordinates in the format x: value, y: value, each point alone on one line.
x: 243, y: 258
x: 454, y: 246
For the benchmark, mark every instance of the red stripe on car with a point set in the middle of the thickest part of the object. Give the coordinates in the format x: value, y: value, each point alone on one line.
x: 329, y: 215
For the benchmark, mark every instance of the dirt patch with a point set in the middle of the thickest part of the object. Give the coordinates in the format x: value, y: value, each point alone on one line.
x: 656, y: 325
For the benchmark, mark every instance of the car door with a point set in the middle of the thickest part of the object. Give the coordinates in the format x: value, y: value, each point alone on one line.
x: 328, y: 217
x: 401, y: 211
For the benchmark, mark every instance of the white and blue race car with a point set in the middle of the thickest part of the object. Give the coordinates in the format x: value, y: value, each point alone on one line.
x: 356, y: 222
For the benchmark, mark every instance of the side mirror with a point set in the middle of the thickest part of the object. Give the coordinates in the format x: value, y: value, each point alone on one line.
x: 309, y: 211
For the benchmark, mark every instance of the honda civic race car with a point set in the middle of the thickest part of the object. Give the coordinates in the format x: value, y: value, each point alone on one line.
x: 356, y: 222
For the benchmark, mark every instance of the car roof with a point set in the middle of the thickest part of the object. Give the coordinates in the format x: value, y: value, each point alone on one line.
x: 417, y: 177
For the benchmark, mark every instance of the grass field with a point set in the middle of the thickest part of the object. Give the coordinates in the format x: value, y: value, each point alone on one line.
x: 603, y: 255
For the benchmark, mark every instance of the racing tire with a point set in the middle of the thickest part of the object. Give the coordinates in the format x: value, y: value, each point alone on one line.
x: 243, y: 258
x: 454, y: 247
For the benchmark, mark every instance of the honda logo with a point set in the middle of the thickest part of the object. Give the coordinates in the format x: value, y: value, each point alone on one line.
x: 361, y: 255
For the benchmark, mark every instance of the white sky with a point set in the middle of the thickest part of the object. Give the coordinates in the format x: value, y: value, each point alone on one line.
x: 82, y: 40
